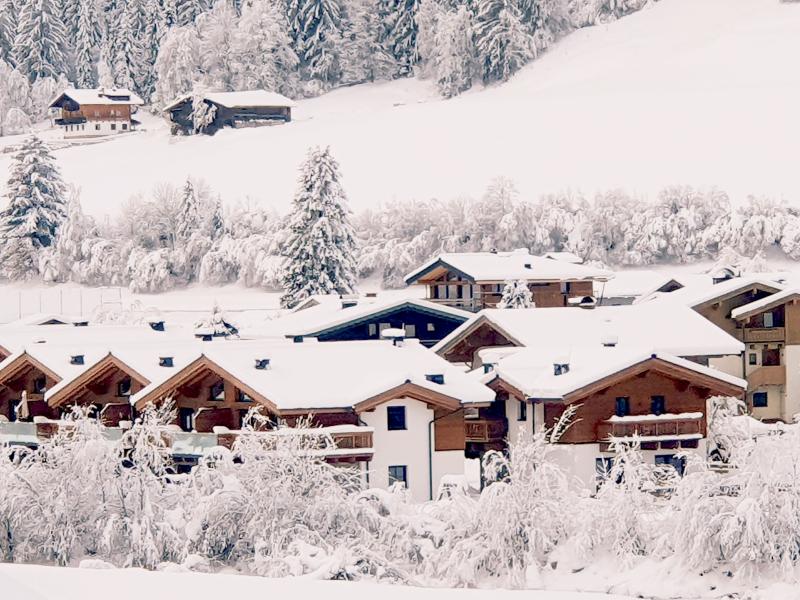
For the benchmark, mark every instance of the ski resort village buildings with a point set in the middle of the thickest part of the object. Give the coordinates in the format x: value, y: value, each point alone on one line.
x: 96, y: 112
x: 475, y: 280
x: 252, y: 108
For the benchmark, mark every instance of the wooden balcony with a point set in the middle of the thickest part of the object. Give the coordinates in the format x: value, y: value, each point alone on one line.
x: 767, y: 375
x: 485, y: 431
x: 764, y: 334
x: 651, y: 427
x: 353, y: 441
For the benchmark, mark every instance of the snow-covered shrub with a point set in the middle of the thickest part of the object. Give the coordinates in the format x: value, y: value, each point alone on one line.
x: 516, y: 294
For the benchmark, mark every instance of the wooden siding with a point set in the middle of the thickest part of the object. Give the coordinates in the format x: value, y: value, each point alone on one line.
x: 181, y: 116
x: 99, y: 112
x: 465, y: 348
x: 448, y: 430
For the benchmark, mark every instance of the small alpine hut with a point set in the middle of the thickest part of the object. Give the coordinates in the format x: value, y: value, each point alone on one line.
x: 96, y: 112
x: 252, y: 108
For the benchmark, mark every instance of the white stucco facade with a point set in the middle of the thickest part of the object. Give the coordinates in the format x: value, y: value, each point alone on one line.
x: 95, y: 129
x: 410, y: 448
x: 517, y: 424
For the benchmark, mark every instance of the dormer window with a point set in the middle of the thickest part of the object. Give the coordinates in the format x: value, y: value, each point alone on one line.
x: 262, y: 364
x: 76, y: 359
x: 157, y: 325
x: 436, y: 378
x: 166, y: 361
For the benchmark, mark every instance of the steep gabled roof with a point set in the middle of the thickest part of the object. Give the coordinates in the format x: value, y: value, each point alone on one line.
x: 766, y: 303
x: 666, y: 327
x: 502, y: 266
x: 531, y: 371
x: 109, y: 96
x: 700, y: 294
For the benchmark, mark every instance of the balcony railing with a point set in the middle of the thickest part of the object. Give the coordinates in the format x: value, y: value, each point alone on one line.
x: 764, y: 334
x: 484, y: 431
x: 652, y: 426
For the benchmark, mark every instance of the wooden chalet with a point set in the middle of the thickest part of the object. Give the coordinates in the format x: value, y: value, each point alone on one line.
x: 96, y: 112
x: 475, y: 280
x: 251, y: 108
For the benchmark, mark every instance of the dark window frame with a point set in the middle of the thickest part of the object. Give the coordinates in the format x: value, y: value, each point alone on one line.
x: 398, y: 474
x: 658, y: 405
x: 622, y: 406
x: 760, y: 403
x: 396, y: 418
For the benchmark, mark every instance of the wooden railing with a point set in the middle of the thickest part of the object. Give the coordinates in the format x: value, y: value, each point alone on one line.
x: 764, y: 334
x: 657, y: 427
x: 352, y: 441
x: 485, y: 430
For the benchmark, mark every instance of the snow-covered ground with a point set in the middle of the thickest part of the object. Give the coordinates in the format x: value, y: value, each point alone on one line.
x: 34, y: 582
x: 687, y: 91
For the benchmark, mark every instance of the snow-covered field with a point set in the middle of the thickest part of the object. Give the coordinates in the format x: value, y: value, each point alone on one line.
x: 34, y: 582
x: 688, y: 91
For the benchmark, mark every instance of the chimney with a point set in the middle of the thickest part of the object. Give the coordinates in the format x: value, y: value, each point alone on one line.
x: 437, y: 378
x: 609, y: 340
x: 156, y: 325
x: 166, y: 361
x: 528, y: 266
x: 76, y: 359
x: 395, y: 334
x: 262, y: 364
x: 560, y: 368
x: 371, y: 294
x: 348, y: 300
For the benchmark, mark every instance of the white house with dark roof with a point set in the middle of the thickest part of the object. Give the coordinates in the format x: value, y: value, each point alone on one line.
x: 475, y: 280
x: 96, y: 112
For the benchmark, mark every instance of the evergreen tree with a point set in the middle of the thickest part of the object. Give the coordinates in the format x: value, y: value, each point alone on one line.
x: 72, y: 235
x: 189, y: 217
x: 8, y: 30
x: 502, y: 44
x: 364, y: 56
x: 316, y: 28
x: 154, y: 27
x: 400, y: 23
x: 218, y: 30
x: 216, y: 224
x: 128, y: 60
x: 320, y: 250
x: 178, y: 66
x: 263, y: 54
x: 454, y: 54
x: 187, y: 11
x: 86, y: 40
x: 40, y: 43
x: 35, y: 210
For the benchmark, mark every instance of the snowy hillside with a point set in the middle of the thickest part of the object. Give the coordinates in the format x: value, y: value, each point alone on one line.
x: 687, y: 91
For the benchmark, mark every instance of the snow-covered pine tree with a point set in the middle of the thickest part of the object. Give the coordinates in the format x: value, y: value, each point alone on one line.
x: 400, y: 32
x: 454, y: 54
x: 154, y: 27
x: 316, y: 29
x: 428, y: 14
x: 73, y: 233
x: 217, y: 324
x: 178, y: 66
x: 217, y: 30
x: 128, y: 63
x: 262, y: 50
x: 516, y: 294
x: 364, y: 57
x: 203, y: 112
x: 87, y: 37
x: 35, y: 210
x: 216, y: 224
x: 320, y: 249
x: 8, y: 29
x: 40, y: 43
x: 15, y: 93
x: 502, y: 43
x: 187, y: 11
x: 189, y: 214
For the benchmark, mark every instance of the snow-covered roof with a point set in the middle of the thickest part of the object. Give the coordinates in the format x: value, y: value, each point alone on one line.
x: 665, y: 327
x: 531, y: 369
x: 325, y: 321
x: 765, y: 303
x: 569, y: 257
x: 239, y: 99
x: 313, y: 375
x: 99, y: 96
x: 702, y: 293
x: 502, y: 266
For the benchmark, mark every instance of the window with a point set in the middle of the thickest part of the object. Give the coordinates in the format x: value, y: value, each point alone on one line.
x: 431, y: 327
x: 411, y: 330
x: 186, y: 419
x: 676, y: 462
x: 770, y: 357
x: 124, y: 126
x: 622, y: 406
x: 13, y: 414
x: 97, y: 127
x: 657, y: 405
x: 372, y: 330
x: 753, y: 358
x: 398, y: 474
x: 124, y: 387
x: 39, y: 385
x: 382, y: 326
x: 217, y: 391
x: 113, y: 127
x: 395, y: 418
x: 522, y: 410
x: 242, y: 397
x: 768, y: 320
x: 759, y: 399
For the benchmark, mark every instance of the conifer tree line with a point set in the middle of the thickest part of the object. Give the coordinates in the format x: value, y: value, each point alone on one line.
x: 182, y: 234
x: 164, y: 48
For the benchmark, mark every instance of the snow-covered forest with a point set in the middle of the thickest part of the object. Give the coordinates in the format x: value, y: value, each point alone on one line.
x: 268, y: 507
x: 180, y: 235
x: 164, y: 48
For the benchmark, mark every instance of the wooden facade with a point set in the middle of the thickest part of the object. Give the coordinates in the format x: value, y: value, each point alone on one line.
x: 23, y: 384
x: 180, y: 116
x: 482, y: 335
x: 92, y: 113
